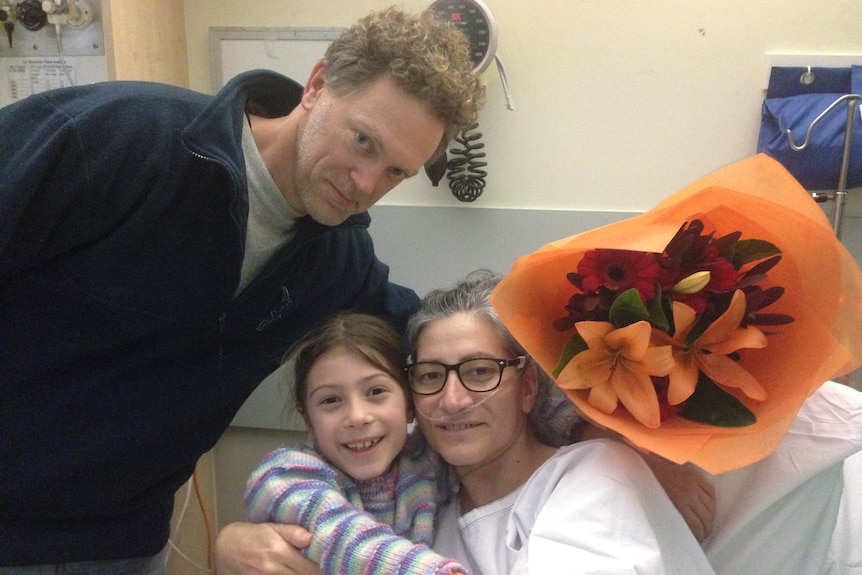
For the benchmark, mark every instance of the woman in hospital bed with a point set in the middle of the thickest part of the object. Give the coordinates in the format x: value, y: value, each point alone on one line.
x: 774, y: 516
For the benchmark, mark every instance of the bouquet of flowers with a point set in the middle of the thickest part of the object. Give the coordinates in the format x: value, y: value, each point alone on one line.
x: 697, y: 329
x: 660, y: 333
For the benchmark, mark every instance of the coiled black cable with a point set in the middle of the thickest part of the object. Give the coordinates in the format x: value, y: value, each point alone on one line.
x: 466, y: 176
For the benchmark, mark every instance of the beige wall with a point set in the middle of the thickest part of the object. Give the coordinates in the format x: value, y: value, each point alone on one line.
x: 617, y: 102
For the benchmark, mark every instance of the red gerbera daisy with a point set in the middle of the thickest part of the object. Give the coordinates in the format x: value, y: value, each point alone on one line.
x: 619, y: 270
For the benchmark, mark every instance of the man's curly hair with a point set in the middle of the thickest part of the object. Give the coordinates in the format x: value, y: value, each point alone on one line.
x: 426, y: 56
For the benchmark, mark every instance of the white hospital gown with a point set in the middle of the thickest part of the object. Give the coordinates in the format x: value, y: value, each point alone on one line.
x: 592, y: 508
x: 780, y: 516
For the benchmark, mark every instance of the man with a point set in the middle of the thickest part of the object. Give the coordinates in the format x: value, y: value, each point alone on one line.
x: 160, y: 250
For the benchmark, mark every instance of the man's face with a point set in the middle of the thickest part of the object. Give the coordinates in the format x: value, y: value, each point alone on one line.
x: 353, y: 149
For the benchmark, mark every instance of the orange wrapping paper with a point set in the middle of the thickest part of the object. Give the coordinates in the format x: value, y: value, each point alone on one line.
x: 823, y: 284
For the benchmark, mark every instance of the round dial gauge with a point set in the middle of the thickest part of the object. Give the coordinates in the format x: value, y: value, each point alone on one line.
x: 475, y: 19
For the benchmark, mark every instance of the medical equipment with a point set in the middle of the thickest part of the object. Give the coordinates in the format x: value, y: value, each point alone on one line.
x: 802, y: 100
x: 841, y: 193
x: 41, y: 31
x: 466, y: 172
x: 476, y: 21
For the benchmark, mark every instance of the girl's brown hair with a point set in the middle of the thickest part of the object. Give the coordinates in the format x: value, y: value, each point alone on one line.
x: 367, y: 335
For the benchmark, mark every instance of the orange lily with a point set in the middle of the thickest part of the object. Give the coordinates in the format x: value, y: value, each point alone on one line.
x: 617, y: 368
x: 709, y: 352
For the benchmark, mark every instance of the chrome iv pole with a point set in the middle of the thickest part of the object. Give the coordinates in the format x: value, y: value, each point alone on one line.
x: 841, y: 192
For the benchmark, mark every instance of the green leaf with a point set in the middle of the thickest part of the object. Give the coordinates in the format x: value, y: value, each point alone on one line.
x: 657, y: 310
x: 628, y: 309
x: 711, y: 405
x: 573, y: 347
x: 746, y: 251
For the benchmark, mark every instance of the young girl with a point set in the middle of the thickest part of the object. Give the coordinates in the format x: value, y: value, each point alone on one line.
x: 351, y: 390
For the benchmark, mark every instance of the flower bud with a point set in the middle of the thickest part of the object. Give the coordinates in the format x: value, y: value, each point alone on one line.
x: 693, y: 283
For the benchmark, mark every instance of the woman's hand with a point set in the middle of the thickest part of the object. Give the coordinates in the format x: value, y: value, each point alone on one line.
x: 690, y: 493
x: 263, y: 549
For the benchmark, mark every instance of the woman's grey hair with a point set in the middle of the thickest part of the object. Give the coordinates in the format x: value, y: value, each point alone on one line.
x: 553, y: 417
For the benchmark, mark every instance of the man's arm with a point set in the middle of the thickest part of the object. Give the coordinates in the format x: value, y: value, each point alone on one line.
x: 263, y: 549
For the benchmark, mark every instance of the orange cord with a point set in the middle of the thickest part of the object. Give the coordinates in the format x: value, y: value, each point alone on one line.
x: 206, y: 520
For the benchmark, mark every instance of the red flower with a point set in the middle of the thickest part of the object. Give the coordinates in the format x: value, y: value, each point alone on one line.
x: 619, y: 270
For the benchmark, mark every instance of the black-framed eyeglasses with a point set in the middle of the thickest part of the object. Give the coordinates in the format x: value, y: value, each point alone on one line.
x: 479, y: 374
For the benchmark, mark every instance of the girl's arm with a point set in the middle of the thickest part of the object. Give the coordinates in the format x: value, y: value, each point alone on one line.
x: 297, y: 486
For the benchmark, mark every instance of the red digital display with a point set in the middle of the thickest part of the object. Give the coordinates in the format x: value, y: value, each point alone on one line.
x: 455, y: 17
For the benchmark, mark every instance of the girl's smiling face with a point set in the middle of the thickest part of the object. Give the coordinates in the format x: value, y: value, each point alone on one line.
x: 357, y: 413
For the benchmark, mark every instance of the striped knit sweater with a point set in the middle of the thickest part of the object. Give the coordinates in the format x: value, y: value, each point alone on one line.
x: 378, y: 526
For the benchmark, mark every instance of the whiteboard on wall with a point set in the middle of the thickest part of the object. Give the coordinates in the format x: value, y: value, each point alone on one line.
x: 289, y: 51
